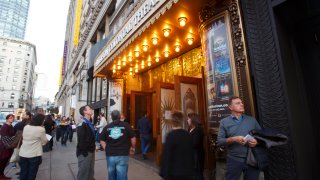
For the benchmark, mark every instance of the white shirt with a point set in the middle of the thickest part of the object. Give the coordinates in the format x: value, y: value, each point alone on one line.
x: 33, y: 138
x: 103, y: 123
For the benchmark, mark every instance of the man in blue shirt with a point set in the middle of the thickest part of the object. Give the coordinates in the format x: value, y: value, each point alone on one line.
x: 144, y: 126
x: 232, y: 132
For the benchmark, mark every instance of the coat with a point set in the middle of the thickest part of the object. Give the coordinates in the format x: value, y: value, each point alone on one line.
x: 267, y: 138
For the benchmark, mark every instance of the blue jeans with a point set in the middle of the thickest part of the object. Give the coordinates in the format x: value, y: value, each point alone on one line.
x: 145, y: 143
x: 29, y: 167
x: 117, y: 167
x: 235, y: 168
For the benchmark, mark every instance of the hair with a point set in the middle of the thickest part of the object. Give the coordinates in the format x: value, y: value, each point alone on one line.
x: 82, y: 109
x: 177, y: 118
x: 9, y: 115
x: 37, y: 120
x: 115, y: 115
x: 231, y: 99
x: 102, y: 114
x: 195, y: 119
x: 48, y: 119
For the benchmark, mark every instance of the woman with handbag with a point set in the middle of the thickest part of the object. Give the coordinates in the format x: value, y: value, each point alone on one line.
x: 34, y: 137
x: 7, y: 134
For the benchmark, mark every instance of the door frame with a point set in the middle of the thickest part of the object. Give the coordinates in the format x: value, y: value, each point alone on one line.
x: 133, y: 104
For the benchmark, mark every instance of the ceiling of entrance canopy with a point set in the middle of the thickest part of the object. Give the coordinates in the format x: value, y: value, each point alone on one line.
x: 180, y: 39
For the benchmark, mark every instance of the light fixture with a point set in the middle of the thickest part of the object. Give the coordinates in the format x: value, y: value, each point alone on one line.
x: 114, y: 68
x: 190, y: 40
x: 145, y: 47
x: 130, y: 56
x: 124, y: 61
x: 142, y: 64
x: 154, y: 40
x: 149, y: 61
x: 166, y: 53
x: 137, y: 53
x: 157, y: 58
x: 166, y: 31
x: 136, y: 70
x: 177, y: 47
x: 130, y: 71
x: 182, y: 21
x: 119, y: 64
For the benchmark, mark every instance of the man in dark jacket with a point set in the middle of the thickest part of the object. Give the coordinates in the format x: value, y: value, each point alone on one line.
x: 233, y: 132
x: 86, y: 145
x: 144, y: 126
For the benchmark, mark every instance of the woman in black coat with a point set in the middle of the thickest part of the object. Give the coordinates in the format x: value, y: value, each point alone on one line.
x: 196, y: 131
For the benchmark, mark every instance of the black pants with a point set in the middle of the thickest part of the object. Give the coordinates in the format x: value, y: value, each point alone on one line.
x: 58, y: 133
x: 64, y: 136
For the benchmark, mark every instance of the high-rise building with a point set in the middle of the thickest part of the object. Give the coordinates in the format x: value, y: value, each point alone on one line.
x: 17, y: 76
x: 13, y: 18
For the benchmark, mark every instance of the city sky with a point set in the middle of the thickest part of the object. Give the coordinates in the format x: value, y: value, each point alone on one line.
x: 46, y: 29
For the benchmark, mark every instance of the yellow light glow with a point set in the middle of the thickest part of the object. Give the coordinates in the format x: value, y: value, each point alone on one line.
x: 119, y: 67
x: 145, y: 47
x: 166, y: 32
x: 182, y: 21
x: 136, y: 70
x: 190, y: 40
x: 137, y: 53
x: 177, y: 47
x: 130, y: 73
x: 154, y: 40
x: 114, y: 71
x: 157, y: 59
x: 149, y: 63
x: 166, y: 53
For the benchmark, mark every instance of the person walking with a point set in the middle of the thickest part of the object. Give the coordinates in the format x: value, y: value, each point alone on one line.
x: 144, y: 126
x: 71, y: 129
x: 34, y: 137
x: 85, y: 145
x: 196, y: 132
x: 177, y: 157
x: 49, y: 127
x: 118, y: 140
x: 6, y: 131
x: 64, y: 124
x: 100, y: 126
x: 232, y: 132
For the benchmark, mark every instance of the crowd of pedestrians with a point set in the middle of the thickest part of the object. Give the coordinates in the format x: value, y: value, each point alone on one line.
x: 183, y: 151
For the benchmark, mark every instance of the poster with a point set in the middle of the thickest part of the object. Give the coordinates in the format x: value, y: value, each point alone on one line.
x: 115, y: 96
x: 220, y: 79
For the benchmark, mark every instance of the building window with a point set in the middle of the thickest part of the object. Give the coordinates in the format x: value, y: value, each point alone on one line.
x: 11, y: 105
x: 12, y: 96
x: 16, y: 70
x: 19, y: 52
x: 20, y: 105
x: 15, y: 79
x: 13, y: 87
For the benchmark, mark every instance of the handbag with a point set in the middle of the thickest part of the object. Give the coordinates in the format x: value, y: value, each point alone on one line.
x: 15, y: 155
x: 11, y: 142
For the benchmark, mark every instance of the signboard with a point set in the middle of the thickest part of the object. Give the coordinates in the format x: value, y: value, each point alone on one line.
x: 220, y: 82
x: 140, y: 16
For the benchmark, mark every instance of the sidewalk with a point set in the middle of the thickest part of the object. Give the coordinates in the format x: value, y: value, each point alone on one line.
x: 61, y: 163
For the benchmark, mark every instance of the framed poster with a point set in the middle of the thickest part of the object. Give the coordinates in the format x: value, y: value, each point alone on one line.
x: 115, y: 98
x: 220, y: 67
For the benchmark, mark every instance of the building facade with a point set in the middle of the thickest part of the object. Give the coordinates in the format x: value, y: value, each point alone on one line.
x: 157, y: 56
x: 17, y: 76
x: 13, y: 18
